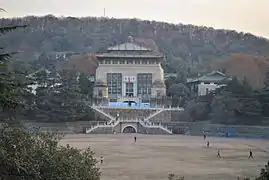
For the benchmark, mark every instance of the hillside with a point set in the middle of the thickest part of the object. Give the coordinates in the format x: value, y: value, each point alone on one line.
x: 254, y: 68
x: 86, y: 63
x: 186, y: 47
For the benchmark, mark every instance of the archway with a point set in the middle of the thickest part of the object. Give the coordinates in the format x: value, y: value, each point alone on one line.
x: 129, y: 129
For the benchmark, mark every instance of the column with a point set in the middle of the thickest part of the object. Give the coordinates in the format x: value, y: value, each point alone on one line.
x: 123, y: 89
x: 135, y: 89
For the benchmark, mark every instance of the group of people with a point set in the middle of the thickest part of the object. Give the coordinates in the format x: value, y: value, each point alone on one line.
x: 207, y: 144
x: 250, y: 154
x: 218, y: 153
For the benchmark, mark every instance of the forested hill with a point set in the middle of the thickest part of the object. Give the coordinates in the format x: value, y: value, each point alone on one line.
x: 185, y: 46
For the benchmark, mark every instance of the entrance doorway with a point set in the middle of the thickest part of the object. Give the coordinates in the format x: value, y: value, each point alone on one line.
x: 130, y: 103
x: 129, y: 90
x: 129, y: 129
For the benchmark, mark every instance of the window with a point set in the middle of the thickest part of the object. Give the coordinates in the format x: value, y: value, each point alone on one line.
x: 144, y: 62
x: 129, y: 61
x: 144, y: 84
x: 122, y: 61
x: 137, y: 61
x: 129, y: 89
x: 114, y: 83
x: 107, y: 61
x: 158, y: 93
x: 100, y: 93
x: 115, y: 61
x: 206, y: 91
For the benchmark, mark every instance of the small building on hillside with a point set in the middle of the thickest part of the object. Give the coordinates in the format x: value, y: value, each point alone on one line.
x: 170, y: 75
x: 209, y: 82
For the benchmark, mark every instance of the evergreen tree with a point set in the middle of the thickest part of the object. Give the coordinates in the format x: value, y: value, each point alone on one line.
x: 85, y: 85
x: 11, y: 83
x: 68, y: 96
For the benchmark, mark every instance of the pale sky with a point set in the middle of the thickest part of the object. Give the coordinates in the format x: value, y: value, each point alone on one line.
x: 241, y: 15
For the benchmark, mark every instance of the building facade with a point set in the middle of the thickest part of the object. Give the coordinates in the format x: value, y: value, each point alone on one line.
x: 208, y: 82
x: 129, y: 72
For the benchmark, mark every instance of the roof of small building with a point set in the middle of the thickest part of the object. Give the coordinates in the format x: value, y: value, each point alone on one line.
x: 214, y: 76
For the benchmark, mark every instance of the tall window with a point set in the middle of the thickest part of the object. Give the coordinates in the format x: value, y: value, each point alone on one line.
x: 144, y: 84
x: 114, y: 84
x: 129, y: 89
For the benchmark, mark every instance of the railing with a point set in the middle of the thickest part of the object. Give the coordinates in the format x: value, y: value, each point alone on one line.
x: 150, y: 108
x: 112, y: 119
x: 154, y: 125
x: 153, y: 114
x: 143, y: 123
x: 96, y: 108
x: 162, y: 110
x: 88, y: 130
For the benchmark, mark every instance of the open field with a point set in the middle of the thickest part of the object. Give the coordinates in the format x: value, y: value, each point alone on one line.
x: 152, y: 157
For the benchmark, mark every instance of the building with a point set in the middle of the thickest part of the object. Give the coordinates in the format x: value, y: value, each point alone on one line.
x: 129, y: 73
x: 208, y: 82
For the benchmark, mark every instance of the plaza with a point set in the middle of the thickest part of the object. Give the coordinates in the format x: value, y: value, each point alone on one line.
x: 153, y: 157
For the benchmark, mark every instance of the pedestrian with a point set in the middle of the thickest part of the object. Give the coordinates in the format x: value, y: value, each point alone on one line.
x: 250, y: 155
x: 102, y: 159
x: 218, y: 155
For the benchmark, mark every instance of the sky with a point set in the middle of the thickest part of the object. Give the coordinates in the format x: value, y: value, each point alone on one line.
x: 241, y: 15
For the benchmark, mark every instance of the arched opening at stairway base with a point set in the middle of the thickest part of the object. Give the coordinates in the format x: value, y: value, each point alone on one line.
x: 129, y: 129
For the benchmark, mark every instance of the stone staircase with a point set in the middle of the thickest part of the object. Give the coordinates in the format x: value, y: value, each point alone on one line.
x: 154, y: 114
x: 155, y: 128
x: 162, y: 113
x: 108, y: 116
x: 143, y: 118
x: 151, y: 128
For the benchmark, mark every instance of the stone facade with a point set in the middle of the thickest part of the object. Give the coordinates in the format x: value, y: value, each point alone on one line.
x: 129, y: 72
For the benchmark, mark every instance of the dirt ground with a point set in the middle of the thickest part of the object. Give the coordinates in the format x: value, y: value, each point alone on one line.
x: 153, y: 157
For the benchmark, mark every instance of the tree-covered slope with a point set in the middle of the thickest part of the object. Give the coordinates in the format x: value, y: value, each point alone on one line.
x: 184, y: 45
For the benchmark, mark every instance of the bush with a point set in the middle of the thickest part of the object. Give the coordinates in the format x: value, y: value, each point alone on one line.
x: 38, y: 156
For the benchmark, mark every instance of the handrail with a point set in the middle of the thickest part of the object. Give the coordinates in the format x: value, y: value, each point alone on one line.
x: 153, y: 114
x: 122, y: 107
x: 102, y: 112
x: 143, y: 123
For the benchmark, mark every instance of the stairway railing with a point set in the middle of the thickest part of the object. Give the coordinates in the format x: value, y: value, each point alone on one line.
x: 153, y: 125
x: 89, y: 130
x: 154, y: 114
x: 102, y: 112
x: 143, y: 123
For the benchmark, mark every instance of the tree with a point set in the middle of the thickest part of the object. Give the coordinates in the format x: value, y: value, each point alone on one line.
x: 11, y: 84
x: 38, y: 156
x: 35, y: 156
x: 264, y: 96
x: 264, y: 175
x: 85, y: 85
x: 180, y: 94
